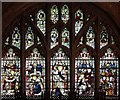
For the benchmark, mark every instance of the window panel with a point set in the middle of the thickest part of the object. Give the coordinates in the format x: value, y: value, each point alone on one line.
x: 84, y: 74
x: 54, y: 14
x: 29, y: 38
x: 65, y: 14
x: 78, y: 21
x: 90, y: 37
x: 109, y: 73
x: 60, y: 75
x: 54, y: 38
x: 41, y: 21
x: 65, y: 38
x: 103, y: 37
x: 10, y: 75
x: 35, y: 75
x: 16, y: 38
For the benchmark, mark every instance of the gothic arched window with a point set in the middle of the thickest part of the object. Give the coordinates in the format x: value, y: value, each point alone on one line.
x: 60, y: 51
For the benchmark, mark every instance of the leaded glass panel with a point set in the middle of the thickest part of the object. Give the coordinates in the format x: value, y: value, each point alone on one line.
x: 78, y: 21
x: 60, y: 75
x: 109, y: 74
x: 10, y: 75
x: 41, y: 21
x: 54, y: 14
x: 35, y: 75
x: 54, y: 38
x: 16, y: 38
x: 90, y: 37
x: 84, y: 74
x: 29, y: 38
x: 65, y: 38
x: 103, y: 37
x: 65, y: 14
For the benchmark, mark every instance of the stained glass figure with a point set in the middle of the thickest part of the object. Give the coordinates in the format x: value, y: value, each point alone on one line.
x: 54, y: 38
x: 16, y: 38
x: 10, y: 75
x: 35, y: 75
x: 65, y: 38
x: 90, y: 37
x: 80, y: 42
x: 41, y: 19
x: 65, y: 14
x: 78, y: 21
x: 29, y: 38
x: 103, y: 37
x: 109, y: 76
x: 54, y: 14
x: 7, y: 41
x: 84, y: 74
x: 60, y: 75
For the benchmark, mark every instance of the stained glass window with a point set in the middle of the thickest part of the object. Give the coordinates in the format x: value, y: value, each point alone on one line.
x: 103, y: 37
x: 10, y: 75
x: 60, y: 75
x: 54, y: 38
x: 65, y: 38
x: 65, y: 14
x: 90, y: 36
x: 78, y: 21
x: 16, y: 38
x: 84, y: 74
x: 35, y: 75
x: 29, y: 38
x: 41, y: 21
x: 54, y: 14
x: 109, y: 76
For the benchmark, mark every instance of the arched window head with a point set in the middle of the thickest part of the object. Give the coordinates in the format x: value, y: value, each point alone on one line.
x: 65, y: 14
x: 54, y: 14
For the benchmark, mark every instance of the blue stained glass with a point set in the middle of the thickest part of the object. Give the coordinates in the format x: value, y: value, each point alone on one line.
x: 35, y: 75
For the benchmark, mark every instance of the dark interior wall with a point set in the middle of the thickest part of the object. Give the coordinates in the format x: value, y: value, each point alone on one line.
x: 12, y: 10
